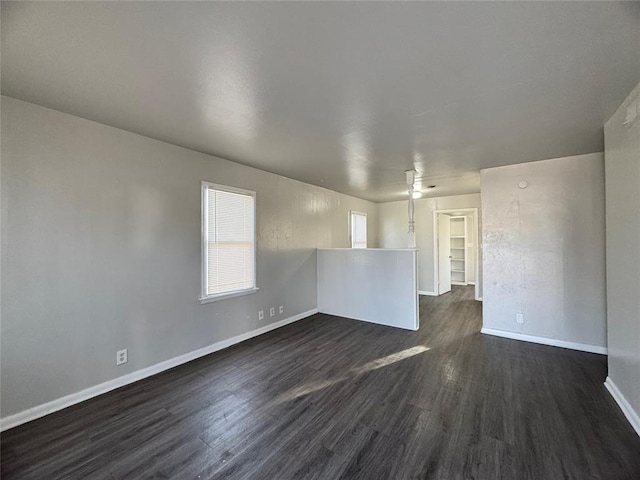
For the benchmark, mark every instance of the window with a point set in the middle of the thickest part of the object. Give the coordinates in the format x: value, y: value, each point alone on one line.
x: 358, y: 230
x: 228, y: 242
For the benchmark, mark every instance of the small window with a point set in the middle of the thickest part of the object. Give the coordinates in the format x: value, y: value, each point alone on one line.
x: 228, y: 242
x: 358, y: 230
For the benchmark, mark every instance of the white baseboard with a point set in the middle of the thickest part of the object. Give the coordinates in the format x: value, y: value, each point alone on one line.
x: 69, y: 400
x: 424, y: 292
x: 545, y: 341
x: 625, y: 406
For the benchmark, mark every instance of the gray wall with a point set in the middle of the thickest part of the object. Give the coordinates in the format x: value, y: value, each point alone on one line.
x: 101, y: 251
x: 544, y: 250
x: 392, y: 221
x: 622, y: 167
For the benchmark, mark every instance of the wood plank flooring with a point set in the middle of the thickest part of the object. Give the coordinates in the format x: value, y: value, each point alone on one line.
x: 330, y: 398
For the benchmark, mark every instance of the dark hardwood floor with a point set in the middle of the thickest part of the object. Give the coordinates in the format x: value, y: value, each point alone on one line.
x: 329, y: 398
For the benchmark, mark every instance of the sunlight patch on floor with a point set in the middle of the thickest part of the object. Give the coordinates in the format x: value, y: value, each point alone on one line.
x: 315, y: 386
x: 389, y: 359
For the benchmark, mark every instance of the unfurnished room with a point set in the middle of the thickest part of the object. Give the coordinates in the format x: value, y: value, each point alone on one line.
x: 288, y: 240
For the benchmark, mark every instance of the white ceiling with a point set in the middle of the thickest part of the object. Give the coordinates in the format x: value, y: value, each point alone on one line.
x: 343, y: 95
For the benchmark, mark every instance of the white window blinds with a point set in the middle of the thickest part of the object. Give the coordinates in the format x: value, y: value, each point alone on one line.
x: 229, y: 240
x: 358, y: 230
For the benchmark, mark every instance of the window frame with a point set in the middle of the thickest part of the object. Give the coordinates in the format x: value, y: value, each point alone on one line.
x: 204, y: 240
x: 364, y: 214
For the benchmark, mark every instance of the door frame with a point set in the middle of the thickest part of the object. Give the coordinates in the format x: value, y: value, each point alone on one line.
x: 442, y: 242
x: 476, y: 246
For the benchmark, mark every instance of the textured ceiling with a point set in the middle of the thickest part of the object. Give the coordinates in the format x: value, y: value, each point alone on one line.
x: 343, y: 95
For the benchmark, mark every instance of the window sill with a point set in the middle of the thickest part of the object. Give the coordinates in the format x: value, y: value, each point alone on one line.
x: 224, y: 296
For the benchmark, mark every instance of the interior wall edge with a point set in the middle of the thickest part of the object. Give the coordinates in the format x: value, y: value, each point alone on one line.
x: 622, y: 175
x: 630, y: 414
x: 94, y: 391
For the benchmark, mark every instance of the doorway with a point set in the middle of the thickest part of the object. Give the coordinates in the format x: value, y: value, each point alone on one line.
x: 456, y: 252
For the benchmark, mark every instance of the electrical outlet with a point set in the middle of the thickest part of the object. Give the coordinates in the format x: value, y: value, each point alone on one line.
x: 261, y: 315
x: 272, y: 311
x: 281, y: 309
x: 519, y: 318
x: 121, y: 357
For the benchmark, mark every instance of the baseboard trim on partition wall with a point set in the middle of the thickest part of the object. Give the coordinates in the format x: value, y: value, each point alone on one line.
x: 624, y: 405
x: 424, y: 292
x: 583, y: 347
x: 69, y: 400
